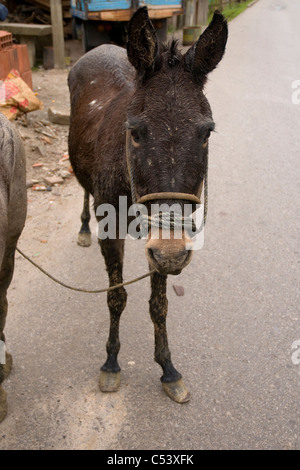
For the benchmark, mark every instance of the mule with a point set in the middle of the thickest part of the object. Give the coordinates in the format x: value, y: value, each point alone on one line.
x: 150, y: 101
x: 13, y: 204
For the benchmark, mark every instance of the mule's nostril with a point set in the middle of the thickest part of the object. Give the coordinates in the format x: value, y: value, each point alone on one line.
x: 151, y: 254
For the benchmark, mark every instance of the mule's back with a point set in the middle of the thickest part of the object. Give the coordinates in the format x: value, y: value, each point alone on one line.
x: 105, y: 70
x: 95, y: 82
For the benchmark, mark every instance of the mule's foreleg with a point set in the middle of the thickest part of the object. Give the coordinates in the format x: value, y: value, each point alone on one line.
x: 171, y: 378
x: 84, y: 236
x: 6, y: 274
x: 113, y: 252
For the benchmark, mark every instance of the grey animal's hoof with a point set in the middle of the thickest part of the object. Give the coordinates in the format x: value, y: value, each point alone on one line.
x: 8, y: 364
x: 177, y: 391
x: 84, y: 239
x: 3, y: 404
x: 109, y: 381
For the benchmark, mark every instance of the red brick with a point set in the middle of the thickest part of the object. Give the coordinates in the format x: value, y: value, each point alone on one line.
x: 5, y: 62
x: 5, y: 40
x: 27, y: 78
x: 23, y: 58
x: 16, y: 57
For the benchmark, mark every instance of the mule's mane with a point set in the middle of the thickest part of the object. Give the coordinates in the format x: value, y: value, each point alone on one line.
x: 171, y: 52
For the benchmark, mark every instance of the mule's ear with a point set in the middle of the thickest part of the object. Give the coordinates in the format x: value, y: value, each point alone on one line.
x: 206, y: 53
x: 142, y: 45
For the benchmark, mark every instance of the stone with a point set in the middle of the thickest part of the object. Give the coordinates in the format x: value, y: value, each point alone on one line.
x: 59, y: 115
x: 52, y: 180
x: 179, y: 290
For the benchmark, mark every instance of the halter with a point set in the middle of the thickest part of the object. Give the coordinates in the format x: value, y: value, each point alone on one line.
x: 164, y: 219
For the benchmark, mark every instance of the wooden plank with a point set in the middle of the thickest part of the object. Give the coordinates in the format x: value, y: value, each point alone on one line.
x: 125, y: 15
x: 189, y: 13
x: 57, y: 34
x: 111, y: 15
x: 201, y: 12
x: 164, y: 13
x: 27, y: 29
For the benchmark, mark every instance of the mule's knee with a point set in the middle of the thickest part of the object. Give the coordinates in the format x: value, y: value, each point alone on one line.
x: 116, y: 301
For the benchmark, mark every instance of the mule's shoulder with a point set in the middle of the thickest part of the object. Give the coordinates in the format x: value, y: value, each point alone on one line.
x: 106, y: 62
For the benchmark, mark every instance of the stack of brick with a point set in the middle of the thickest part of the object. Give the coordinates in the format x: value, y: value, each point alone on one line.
x: 14, y: 56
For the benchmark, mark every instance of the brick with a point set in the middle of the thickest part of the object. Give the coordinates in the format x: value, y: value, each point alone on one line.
x: 6, y: 39
x: 16, y: 57
x: 23, y: 58
x: 27, y: 78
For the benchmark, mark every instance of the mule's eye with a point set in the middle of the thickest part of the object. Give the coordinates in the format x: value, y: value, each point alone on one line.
x: 207, y: 137
x: 135, y: 138
x: 205, y: 140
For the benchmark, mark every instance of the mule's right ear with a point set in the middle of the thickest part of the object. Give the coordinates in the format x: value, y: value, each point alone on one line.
x: 142, y: 45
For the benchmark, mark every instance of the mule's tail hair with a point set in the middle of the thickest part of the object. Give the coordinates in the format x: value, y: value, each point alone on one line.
x: 7, y: 153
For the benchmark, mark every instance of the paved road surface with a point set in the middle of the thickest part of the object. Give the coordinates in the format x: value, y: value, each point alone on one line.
x: 231, y: 335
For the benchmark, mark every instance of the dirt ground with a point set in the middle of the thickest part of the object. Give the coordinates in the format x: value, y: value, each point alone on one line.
x: 46, y: 144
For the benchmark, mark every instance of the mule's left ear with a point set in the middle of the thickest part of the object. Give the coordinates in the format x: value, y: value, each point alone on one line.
x: 142, y: 45
x: 206, y: 53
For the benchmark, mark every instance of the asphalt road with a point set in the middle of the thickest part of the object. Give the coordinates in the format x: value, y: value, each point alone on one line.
x: 231, y: 334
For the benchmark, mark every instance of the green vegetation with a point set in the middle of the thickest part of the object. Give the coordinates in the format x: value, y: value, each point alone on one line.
x: 231, y: 10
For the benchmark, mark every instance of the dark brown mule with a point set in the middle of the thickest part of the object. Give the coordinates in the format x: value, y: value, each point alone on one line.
x: 13, y: 201
x: 157, y: 93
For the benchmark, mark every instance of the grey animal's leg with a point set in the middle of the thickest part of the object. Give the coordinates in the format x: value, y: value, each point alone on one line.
x: 84, y: 236
x: 113, y: 253
x: 171, y: 378
x: 6, y: 273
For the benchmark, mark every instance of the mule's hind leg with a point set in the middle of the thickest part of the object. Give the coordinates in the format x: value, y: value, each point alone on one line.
x: 84, y: 236
x: 171, y: 378
x: 113, y: 252
x: 6, y: 274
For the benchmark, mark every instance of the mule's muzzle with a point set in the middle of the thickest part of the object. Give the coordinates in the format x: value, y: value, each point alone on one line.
x: 168, y: 256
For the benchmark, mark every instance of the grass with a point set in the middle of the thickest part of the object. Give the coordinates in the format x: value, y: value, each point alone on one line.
x: 232, y: 11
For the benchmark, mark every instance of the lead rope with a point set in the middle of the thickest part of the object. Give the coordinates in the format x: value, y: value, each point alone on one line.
x: 96, y: 291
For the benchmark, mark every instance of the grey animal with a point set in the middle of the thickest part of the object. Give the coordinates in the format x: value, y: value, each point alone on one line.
x: 13, y: 206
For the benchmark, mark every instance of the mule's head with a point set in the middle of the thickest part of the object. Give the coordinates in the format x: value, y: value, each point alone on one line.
x: 170, y: 121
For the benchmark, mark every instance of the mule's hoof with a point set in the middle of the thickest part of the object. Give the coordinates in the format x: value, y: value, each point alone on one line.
x: 84, y: 239
x: 177, y: 391
x: 109, y: 381
x: 8, y: 364
x: 3, y: 404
